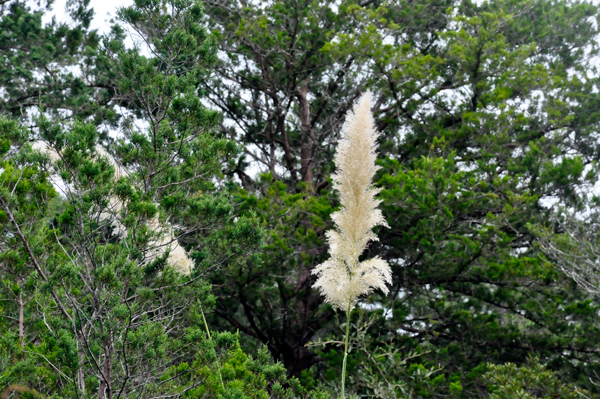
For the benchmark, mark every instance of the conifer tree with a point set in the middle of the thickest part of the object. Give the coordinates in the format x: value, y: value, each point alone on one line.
x: 58, y: 66
x: 488, y: 120
x: 106, y: 313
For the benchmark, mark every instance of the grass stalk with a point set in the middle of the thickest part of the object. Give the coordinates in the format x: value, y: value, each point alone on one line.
x: 210, y: 338
x: 345, y: 352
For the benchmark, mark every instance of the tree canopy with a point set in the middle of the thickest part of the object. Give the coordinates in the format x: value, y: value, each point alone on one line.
x: 210, y: 143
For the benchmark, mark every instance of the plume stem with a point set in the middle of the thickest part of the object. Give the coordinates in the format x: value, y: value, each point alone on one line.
x: 346, y: 350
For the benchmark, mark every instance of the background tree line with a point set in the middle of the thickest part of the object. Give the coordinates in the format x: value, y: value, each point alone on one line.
x: 224, y: 121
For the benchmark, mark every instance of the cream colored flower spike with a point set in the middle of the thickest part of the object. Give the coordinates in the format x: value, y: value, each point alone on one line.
x: 165, y: 241
x: 343, y: 279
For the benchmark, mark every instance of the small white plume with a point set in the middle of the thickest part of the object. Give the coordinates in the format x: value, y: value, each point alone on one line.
x: 343, y: 278
x: 165, y: 241
x: 42, y: 147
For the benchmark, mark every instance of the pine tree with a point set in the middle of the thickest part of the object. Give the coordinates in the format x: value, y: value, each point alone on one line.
x: 59, y: 67
x: 487, y: 118
x: 107, y: 311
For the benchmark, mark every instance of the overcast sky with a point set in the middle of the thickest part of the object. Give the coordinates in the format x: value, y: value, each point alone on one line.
x: 104, y: 10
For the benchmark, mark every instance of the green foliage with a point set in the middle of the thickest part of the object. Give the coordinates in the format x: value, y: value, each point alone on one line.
x: 245, y: 376
x: 488, y: 114
x: 58, y: 67
x: 294, y: 222
x: 489, y: 119
x: 532, y: 380
x: 92, y: 302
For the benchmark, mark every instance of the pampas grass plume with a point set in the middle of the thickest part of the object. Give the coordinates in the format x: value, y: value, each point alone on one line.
x: 343, y: 278
x: 165, y: 240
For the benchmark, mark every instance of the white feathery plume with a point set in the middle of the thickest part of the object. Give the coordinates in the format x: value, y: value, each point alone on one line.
x: 343, y: 278
x: 115, y: 205
x: 42, y: 147
x: 166, y: 241
x: 178, y: 257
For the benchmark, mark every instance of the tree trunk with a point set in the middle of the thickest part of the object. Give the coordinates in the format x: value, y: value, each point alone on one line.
x: 297, y: 359
x: 105, y: 389
x: 80, y: 373
x: 21, y: 304
x: 306, y: 145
